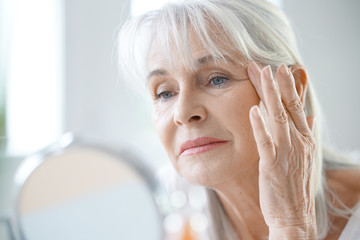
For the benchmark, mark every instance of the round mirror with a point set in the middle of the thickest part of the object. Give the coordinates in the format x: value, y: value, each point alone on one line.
x: 74, y: 190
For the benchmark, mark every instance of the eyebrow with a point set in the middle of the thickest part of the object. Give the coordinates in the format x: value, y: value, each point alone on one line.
x: 199, y: 62
x: 157, y: 72
x: 210, y: 58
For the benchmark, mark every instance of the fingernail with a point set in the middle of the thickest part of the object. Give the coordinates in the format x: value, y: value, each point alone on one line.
x: 267, y: 72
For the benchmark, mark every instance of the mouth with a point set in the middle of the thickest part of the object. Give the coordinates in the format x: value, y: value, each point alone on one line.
x: 200, y: 145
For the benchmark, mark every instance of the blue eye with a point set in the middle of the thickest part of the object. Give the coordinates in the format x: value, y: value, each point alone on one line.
x: 164, y: 95
x: 218, y: 81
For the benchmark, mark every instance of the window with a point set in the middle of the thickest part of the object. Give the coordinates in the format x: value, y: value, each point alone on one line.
x: 34, y: 73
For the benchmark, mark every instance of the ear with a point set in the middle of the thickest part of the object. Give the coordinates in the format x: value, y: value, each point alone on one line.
x: 301, y: 80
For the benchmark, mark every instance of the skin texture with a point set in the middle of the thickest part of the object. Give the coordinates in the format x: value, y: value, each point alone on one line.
x: 266, y: 164
x: 286, y: 149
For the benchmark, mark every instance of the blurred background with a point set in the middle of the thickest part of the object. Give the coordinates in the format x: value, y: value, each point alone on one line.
x: 58, y: 73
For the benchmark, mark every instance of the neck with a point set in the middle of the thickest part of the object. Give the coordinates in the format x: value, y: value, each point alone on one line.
x: 240, y: 198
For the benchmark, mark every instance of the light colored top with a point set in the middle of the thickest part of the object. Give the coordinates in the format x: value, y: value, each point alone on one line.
x: 352, y: 228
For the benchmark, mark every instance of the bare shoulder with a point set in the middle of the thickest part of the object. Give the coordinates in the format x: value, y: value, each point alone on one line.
x: 345, y: 183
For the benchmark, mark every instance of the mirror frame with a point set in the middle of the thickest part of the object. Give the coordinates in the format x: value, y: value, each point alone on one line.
x: 30, y: 164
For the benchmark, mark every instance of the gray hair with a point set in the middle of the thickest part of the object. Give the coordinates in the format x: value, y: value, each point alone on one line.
x: 255, y: 29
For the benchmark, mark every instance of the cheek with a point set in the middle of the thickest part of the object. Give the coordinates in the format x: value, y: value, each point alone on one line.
x: 240, y: 127
x: 163, y: 123
x: 236, y: 106
x: 235, y: 114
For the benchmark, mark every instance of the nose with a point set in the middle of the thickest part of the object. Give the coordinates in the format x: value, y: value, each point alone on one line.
x: 189, y: 109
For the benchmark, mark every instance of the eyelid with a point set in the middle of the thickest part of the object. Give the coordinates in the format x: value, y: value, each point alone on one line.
x: 158, y: 95
x: 160, y: 99
x: 158, y: 85
x: 162, y: 87
x: 211, y: 77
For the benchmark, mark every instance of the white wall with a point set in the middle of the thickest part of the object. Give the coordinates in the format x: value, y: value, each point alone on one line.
x: 329, y: 37
x: 32, y: 70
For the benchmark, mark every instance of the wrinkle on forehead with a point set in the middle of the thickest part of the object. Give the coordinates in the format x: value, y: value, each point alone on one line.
x: 160, y: 59
x: 200, y: 62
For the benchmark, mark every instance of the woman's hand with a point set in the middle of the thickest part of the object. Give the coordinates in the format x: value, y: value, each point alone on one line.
x: 286, y: 148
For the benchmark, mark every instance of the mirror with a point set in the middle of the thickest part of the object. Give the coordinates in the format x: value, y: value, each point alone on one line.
x: 75, y: 190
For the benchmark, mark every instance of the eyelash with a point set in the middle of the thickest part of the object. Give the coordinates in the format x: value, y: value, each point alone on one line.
x: 225, y: 80
x: 160, y: 96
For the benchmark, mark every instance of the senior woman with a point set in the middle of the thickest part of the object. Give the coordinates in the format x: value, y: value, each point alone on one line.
x: 234, y: 109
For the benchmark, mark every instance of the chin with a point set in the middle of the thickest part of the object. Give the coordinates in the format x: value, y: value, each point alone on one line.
x: 210, y: 170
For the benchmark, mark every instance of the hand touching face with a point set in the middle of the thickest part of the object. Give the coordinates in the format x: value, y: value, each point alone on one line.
x: 286, y: 148
x: 201, y: 115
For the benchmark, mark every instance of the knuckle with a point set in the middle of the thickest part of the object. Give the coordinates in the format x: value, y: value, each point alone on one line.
x: 282, y: 117
x: 295, y: 105
x: 309, y: 147
x: 310, y: 141
x: 306, y: 132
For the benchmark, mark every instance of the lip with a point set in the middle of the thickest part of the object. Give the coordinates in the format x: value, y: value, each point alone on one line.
x: 199, y: 145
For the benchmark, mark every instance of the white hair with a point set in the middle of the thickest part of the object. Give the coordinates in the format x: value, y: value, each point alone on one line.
x: 259, y: 32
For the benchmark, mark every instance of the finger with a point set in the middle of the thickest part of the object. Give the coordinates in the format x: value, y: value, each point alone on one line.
x: 311, y: 122
x: 292, y: 100
x: 254, y: 75
x: 264, y: 141
x: 278, y: 118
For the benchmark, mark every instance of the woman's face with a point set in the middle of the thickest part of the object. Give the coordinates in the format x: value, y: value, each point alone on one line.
x: 202, y: 116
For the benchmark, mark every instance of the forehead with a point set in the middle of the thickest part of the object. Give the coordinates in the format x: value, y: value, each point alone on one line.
x: 171, y: 56
x: 191, y: 52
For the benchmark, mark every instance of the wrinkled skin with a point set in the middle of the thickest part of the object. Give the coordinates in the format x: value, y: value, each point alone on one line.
x: 264, y: 173
x: 286, y: 149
